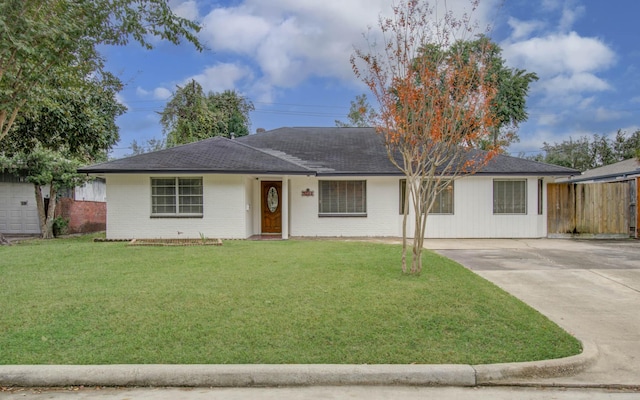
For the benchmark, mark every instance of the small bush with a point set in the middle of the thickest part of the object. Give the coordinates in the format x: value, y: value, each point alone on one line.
x: 60, y: 226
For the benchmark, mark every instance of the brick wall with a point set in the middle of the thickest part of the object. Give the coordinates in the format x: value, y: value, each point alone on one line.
x: 83, y: 216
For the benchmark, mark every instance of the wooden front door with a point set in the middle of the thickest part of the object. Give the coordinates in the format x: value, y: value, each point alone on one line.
x: 271, y: 200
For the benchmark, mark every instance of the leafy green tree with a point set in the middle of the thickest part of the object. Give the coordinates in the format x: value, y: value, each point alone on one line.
x: 49, y: 52
x: 73, y: 128
x: 509, y: 102
x: 361, y: 114
x: 52, y: 45
x: 43, y: 167
x: 231, y: 111
x: 190, y: 115
x: 626, y: 147
x: 81, y: 121
x: 186, y: 118
x: 150, y: 145
x: 587, y: 153
x: 601, y: 152
x: 570, y: 153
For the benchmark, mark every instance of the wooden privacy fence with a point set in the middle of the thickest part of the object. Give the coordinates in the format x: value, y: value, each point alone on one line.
x: 589, y: 209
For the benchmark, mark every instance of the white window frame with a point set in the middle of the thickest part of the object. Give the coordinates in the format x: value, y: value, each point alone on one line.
x: 346, y: 203
x: 504, y: 203
x: 179, y: 197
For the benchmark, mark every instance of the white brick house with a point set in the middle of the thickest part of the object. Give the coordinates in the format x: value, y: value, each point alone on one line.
x: 310, y: 182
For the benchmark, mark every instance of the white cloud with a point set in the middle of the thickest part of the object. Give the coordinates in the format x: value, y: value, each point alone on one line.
x: 559, y: 53
x: 552, y: 4
x: 286, y: 42
x: 549, y: 119
x: 161, y: 93
x: 234, y: 29
x: 562, y: 85
x: 141, y: 92
x: 604, y: 114
x: 569, y: 15
x: 523, y: 29
x: 120, y: 99
x: 185, y: 9
x: 568, y: 65
x: 220, y: 77
x: 587, y: 102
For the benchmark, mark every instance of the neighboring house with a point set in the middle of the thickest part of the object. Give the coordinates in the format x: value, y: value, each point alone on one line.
x: 309, y: 182
x: 18, y: 211
x: 620, y: 171
x: 84, y: 206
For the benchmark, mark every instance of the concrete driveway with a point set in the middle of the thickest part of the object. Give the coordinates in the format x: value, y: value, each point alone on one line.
x: 591, y: 288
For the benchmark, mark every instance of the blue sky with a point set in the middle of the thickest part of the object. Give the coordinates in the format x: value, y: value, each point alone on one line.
x: 291, y: 58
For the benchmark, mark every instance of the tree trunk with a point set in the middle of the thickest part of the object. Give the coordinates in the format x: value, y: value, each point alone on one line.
x: 4, y: 241
x: 417, y: 230
x: 404, y: 228
x: 45, y: 217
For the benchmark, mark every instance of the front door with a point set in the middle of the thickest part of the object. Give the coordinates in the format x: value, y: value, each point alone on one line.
x: 271, y: 207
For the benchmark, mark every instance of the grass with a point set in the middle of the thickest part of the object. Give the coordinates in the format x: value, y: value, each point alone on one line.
x: 72, y: 301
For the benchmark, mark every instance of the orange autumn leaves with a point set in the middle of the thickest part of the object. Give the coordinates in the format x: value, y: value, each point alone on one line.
x: 435, y: 97
x: 433, y: 94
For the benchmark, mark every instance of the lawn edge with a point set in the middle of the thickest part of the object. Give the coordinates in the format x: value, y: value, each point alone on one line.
x: 277, y: 375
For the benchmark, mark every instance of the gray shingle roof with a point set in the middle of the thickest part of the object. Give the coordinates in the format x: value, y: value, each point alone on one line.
x: 622, y: 169
x: 317, y: 151
x: 216, y: 154
x: 328, y: 150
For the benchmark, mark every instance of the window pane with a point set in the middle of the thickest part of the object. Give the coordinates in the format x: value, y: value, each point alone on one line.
x: 190, y: 195
x: 443, y: 203
x: 342, y: 197
x: 163, y: 200
x: 176, y: 196
x: 510, y: 197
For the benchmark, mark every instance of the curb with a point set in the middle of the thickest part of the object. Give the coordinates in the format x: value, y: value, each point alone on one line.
x: 487, y: 374
x: 199, y: 375
x: 236, y: 375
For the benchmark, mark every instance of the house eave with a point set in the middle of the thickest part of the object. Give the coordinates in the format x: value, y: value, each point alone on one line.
x: 526, y: 173
x: 609, y: 177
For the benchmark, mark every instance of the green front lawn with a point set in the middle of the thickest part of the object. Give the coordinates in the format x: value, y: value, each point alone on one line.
x: 72, y: 301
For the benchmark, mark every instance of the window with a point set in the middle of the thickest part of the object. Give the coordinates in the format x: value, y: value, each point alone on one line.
x: 442, y: 205
x: 540, y: 196
x: 11, y: 178
x: 342, y: 198
x: 176, y: 197
x: 509, y: 196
